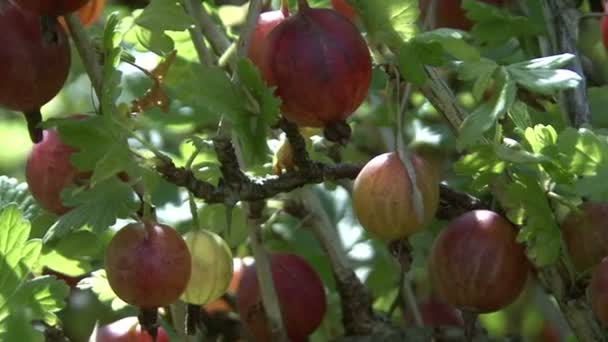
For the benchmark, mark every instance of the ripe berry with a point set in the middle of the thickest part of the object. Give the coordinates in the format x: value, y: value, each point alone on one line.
x: 586, y: 235
x: 475, y: 263
x: 34, y: 62
x: 299, y: 290
x: 604, y: 29
x: 148, y: 264
x: 598, y: 291
x: 321, y: 66
x: 342, y: 7
x: 267, y: 21
x: 88, y: 13
x: 127, y: 329
x: 52, y: 8
x: 449, y: 13
x: 383, y: 200
x: 436, y: 313
x: 211, y: 267
x: 48, y: 172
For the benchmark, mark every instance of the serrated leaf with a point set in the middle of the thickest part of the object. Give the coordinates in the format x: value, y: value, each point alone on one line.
x: 516, y: 154
x: 486, y: 115
x: 154, y: 40
x: 481, y: 165
x: 111, y: 88
x: 13, y: 192
x: 520, y: 116
x: 411, y: 65
x: 98, y: 207
x: 527, y: 205
x: 256, y: 130
x: 496, y: 25
x: 18, y: 254
x: 251, y: 78
x: 164, y: 15
x: 594, y: 187
x: 545, y: 81
x: 389, y: 21
x: 480, y: 71
x: 98, y: 283
x: 44, y: 296
x: 540, y: 137
x: 101, y: 145
x: 550, y: 62
x: 219, y: 95
x: 452, y: 42
x: 31, y: 299
x: 68, y: 256
x: 581, y: 152
x: 214, y: 218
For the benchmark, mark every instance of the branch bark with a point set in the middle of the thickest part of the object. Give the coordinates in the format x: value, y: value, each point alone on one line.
x: 356, y: 302
x: 562, y: 18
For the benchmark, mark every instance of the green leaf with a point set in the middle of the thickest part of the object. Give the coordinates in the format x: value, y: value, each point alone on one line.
x: 543, y: 75
x: 161, y: 15
x: 452, y: 42
x: 540, y: 137
x: 481, y: 72
x: 18, y: 254
x: 594, y: 187
x: 486, y: 115
x: 251, y: 78
x: 44, y: 296
x: 598, y: 102
x: 581, y: 152
x: 528, y: 206
x: 71, y: 254
x: 98, y: 283
x: 545, y: 81
x: 496, y: 25
x: 219, y: 95
x: 13, y: 192
x: 550, y: 62
x: 255, y: 131
x: 112, y: 51
x: 30, y: 299
x: 513, y: 152
x: 389, y: 21
x: 481, y: 165
x: 101, y: 145
x: 98, y: 207
x: 154, y: 40
x: 520, y: 116
x: 411, y: 63
x: 213, y: 217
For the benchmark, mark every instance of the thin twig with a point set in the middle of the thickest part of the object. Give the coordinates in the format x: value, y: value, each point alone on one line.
x: 216, y: 37
x: 204, y: 55
x: 87, y: 52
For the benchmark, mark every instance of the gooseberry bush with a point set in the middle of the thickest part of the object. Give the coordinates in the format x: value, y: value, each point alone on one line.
x: 303, y: 170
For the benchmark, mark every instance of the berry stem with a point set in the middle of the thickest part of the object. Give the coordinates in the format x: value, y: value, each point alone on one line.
x: 148, y: 318
x: 303, y: 4
x: 285, y: 7
x: 404, y: 155
x: 470, y: 319
x: 33, y: 119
